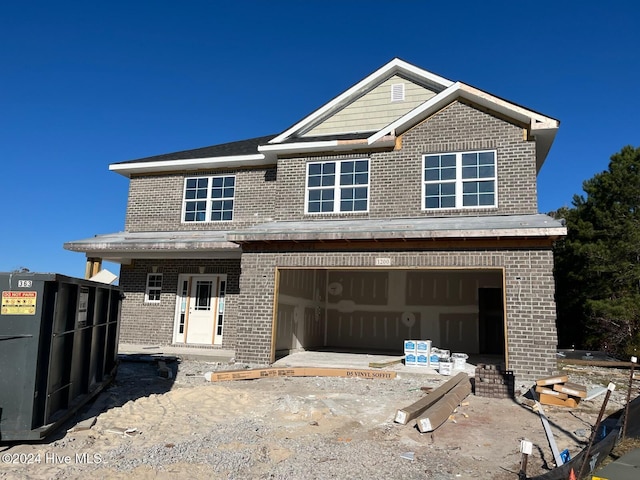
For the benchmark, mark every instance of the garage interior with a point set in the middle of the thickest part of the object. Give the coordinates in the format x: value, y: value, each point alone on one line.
x: 373, y: 311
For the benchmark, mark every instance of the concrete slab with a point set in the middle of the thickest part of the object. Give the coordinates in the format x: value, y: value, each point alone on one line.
x: 204, y: 354
x: 354, y: 360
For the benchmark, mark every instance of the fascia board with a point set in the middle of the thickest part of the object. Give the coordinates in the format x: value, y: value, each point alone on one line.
x: 552, y: 232
x: 509, y: 109
x: 329, y: 145
x: 127, y: 169
x: 126, y: 257
x: 287, y: 147
x: 394, y: 66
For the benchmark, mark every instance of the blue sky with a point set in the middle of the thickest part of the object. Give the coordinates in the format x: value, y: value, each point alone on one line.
x: 85, y: 84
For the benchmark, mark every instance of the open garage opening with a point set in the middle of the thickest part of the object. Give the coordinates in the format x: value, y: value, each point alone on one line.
x: 373, y: 311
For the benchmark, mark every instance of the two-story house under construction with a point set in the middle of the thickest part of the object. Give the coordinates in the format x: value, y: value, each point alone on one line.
x: 404, y: 208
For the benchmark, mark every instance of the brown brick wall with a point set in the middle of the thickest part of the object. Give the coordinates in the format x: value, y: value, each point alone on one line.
x: 529, y: 292
x: 155, y: 201
x: 155, y: 204
x: 395, y: 177
x: 151, y: 323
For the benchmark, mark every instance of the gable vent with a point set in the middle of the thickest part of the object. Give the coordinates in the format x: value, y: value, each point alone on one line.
x: 397, y: 92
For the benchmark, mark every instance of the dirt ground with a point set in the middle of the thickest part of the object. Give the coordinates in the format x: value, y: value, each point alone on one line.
x: 315, y: 427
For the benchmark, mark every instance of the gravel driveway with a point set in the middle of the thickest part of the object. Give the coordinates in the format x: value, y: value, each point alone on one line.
x: 296, y: 428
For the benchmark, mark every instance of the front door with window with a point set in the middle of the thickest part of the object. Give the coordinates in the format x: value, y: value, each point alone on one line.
x: 200, y: 309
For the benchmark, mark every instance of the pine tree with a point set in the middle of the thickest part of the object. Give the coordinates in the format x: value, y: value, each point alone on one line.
x: 598, y: 263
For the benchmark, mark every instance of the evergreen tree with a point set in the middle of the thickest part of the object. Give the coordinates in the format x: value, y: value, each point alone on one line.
x: 598, y: 263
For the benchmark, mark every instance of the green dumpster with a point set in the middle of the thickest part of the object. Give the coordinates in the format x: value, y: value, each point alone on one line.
x: 58, y: 349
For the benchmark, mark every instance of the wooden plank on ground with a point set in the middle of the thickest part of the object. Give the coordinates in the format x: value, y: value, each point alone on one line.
x: 572, y: 389
x: 549, y: 391
x: 253, y: 374
x: 386, y: 363
x: 438, y: 413
x: 594, y: 363
x: 552, y: 380
x: 406, y: 414
x: 560, y: 402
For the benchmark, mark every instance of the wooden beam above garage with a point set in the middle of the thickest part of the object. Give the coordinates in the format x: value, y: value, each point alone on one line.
x: 403, y: 244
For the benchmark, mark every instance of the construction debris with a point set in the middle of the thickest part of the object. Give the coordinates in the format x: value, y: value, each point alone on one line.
x: 386, y: 363
x: 552, y: 380
x: 595, y: 392
x: 559, y: 391
x: 406, y: 414
x: 125, y: 432
x: 438, y: 413
x: 297, y: 372
x: 408, y: 455
x: 547, y: 430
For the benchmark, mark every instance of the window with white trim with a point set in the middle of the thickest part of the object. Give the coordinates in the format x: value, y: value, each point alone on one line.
x: 209, y: 199
x: 337, y: 186
x: 459, y: 180
x: 154, y: 288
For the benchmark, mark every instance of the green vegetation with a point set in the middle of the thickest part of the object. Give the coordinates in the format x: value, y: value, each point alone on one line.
x: 597, y: 266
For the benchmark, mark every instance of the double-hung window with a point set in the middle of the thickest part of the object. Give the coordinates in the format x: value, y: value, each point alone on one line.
x: 459, y: 180
x: 209, y: 199
x: 337, y: 186
x: 154, y: 288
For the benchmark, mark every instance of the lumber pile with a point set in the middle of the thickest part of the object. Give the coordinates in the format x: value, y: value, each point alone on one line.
x: 559, y: 391
x: 437, y: 406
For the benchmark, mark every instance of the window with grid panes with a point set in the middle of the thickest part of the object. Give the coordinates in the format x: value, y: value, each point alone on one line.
x: 209, y: 199
x: 337, y: 186
x: 154, y: 288
x: 459, y: 180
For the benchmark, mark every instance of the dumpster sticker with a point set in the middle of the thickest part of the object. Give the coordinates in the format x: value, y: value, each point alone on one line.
x: 18, y: 303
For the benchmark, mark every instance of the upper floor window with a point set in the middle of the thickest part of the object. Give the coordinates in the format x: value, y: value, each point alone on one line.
x: 459, y: 180
x: 209, y: 199
x: 154, y: 288
x: 338, y: 186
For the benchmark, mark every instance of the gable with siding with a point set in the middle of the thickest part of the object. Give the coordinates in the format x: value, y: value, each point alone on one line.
x: 375, y: 109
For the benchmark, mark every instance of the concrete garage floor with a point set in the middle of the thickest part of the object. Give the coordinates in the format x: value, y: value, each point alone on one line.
x: 329, y: 359
x: 314, y: 358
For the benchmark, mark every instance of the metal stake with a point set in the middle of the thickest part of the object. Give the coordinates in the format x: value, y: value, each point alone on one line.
x: 585, y: 460
x: 526, y: 448
x: 634, y: 360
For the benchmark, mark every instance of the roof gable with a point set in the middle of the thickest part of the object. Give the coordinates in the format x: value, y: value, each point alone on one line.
x: 366, y: 88
x: 375, y: 109
x: 364, y: 117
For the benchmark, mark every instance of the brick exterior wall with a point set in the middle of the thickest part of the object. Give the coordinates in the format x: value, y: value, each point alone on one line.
x: 155, y: 201
x: 152, y: 323
x: 530, y: 307
x: 155, y: 204
x: 396, y: 177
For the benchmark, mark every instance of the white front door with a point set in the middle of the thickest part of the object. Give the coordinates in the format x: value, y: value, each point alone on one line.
x: 200, y: 309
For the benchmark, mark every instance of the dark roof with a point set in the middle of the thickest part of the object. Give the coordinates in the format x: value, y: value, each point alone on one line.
x: 242, y: 147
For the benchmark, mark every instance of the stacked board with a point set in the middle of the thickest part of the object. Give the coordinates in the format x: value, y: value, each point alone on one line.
x: 434, y: 409
x: 559, y: 391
